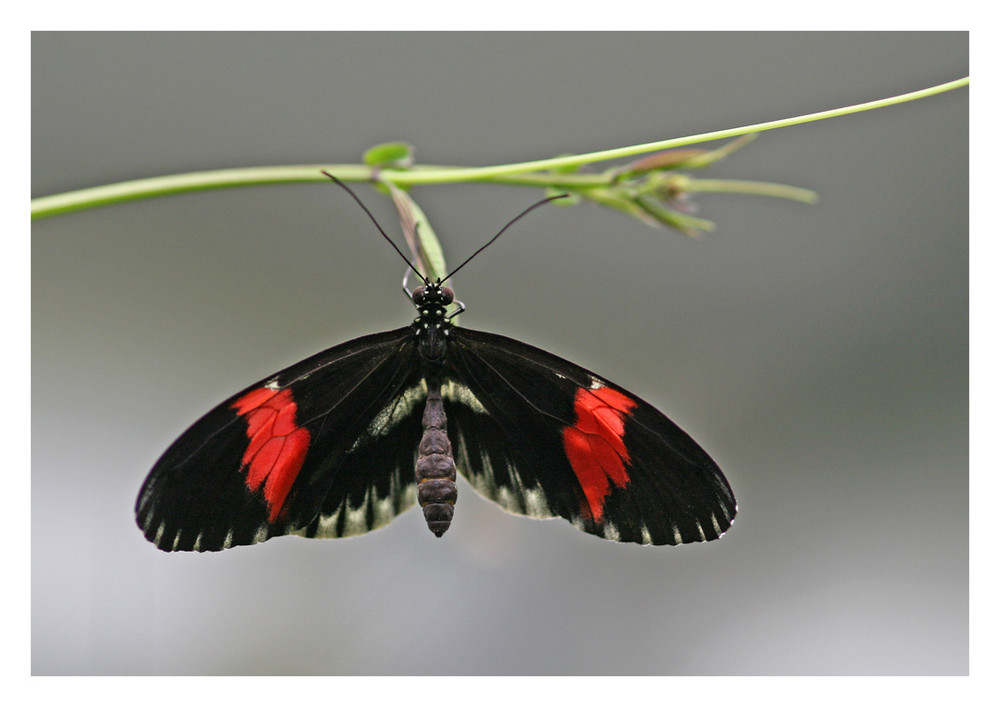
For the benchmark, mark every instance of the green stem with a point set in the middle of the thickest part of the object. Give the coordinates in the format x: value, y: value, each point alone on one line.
x: 525, y: 173
x: 191, y: 181
x: 408, y: 178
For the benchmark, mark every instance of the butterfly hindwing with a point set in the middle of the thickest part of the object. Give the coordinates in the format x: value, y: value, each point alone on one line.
x: 374, y: 482
x: 544, y: 437
x: 323, y: 448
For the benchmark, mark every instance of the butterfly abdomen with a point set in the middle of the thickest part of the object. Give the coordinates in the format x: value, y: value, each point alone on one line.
x: 435, y: 468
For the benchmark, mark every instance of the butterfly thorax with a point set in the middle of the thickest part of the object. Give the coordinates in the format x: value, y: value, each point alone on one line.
x: 432, y: 325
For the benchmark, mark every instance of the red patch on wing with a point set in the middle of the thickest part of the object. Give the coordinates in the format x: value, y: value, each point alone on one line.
x: 594, y: 445
x: 277, y: 446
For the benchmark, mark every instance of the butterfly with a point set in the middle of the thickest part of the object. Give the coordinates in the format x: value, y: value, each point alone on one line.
x: 341, y: 443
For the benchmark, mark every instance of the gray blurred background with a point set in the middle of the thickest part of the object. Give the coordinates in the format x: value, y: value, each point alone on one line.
x: 819, y: 353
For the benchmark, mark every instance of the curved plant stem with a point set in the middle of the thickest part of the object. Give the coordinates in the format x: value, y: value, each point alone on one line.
x: 532, y: 173
x: 190, y: 181
x: 429, y: 176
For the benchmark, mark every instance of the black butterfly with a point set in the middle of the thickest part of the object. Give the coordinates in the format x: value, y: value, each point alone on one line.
x: 334, y: 445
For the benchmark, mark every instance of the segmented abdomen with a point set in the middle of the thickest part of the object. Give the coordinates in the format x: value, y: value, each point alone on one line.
x: 435, y: 468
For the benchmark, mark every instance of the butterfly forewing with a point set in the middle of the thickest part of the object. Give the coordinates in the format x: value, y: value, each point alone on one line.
x: 544, y: 437
x: 304, y: 451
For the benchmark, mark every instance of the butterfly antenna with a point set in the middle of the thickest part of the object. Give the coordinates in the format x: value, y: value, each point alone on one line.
x: 511, y: 223
x: 380, y: 230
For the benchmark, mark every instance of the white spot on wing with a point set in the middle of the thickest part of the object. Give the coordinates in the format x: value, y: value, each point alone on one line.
x: 536, y: 504
x: 506, y: 498
x: 460, y: 394
x: 677, y: 535
x: 383, y: 507
x: 701, y: 531
x: 647, y: 539
x: 387, y: 418
x: 354, y: 518
x: 326, y: 527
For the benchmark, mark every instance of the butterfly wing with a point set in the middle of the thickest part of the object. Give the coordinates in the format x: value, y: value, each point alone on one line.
x: 324, y: 448
x: 544, y: 437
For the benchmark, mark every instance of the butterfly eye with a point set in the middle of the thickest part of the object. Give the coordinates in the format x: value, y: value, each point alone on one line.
x: 447, y: 295
x: 419, y: 295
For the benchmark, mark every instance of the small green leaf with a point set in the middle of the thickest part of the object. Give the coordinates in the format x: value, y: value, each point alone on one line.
x: 615, y: 200
x: 688, y: 225
x: 675, y: 159
x: 711, y: 156
x: 423, y: 242
x: 394, y: 154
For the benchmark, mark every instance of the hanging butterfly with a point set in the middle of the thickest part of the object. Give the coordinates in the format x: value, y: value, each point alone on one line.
x: 342, y: 442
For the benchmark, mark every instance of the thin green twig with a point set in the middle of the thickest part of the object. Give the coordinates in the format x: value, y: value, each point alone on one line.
x: 534, y: 173
x: 428, y: 176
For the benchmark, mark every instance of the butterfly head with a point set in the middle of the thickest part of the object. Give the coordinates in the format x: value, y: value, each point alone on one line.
x: 432, y: 301
x: 433, y: 294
